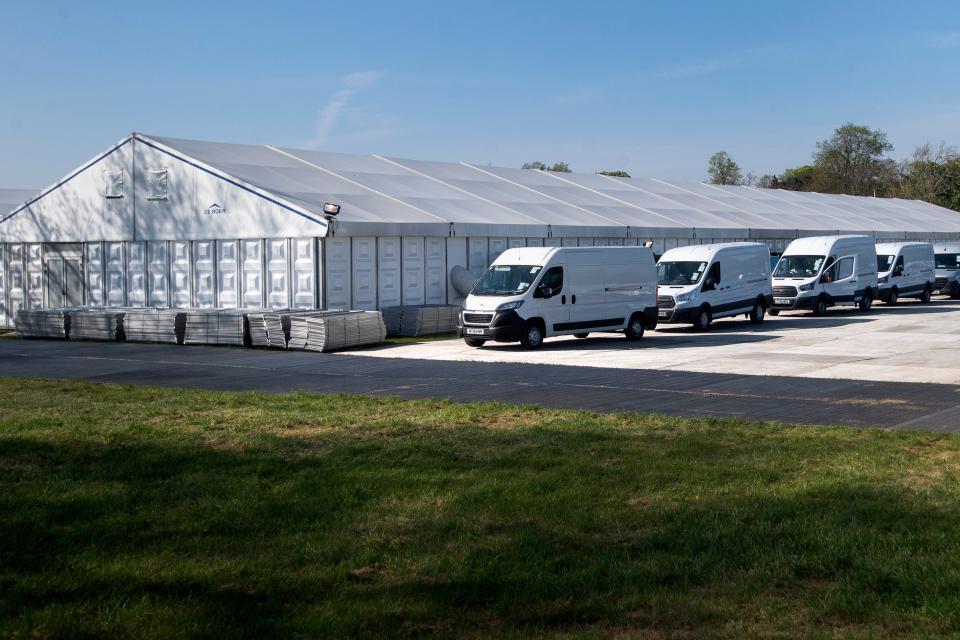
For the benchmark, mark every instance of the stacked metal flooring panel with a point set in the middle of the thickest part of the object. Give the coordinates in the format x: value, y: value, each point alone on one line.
x: 215, y: 326
x: 333, y: 330
x: 96, y: 324
x: 42, y: 323
x: 421, y: 320
x: 153, y: 325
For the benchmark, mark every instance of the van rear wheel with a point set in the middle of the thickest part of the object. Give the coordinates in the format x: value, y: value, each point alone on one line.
x: 634, y: 330
x: 476, y: 343
x: 758, y: 313
x: 926, y: 295
x: 866, y: 302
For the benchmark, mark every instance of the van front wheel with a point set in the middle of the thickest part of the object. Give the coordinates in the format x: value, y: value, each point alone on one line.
x: 893, y: 296
x: 532, y: 336
x: 774, y: 312
x: 820, y: 307
x: 703, y: 319
x: 634, y: 330
x: 476, y: 343
x: 866, y: 302
x: 758, y: 314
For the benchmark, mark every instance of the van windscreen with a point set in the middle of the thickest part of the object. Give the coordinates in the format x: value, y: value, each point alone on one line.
x: 680, y: 273
x: 506, y: 280
x: 884, y: 263
x: 948, y: 260
x: 798, y: 266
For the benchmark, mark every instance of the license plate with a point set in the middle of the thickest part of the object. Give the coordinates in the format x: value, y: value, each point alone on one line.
x: 471, y: 331
x: 664, y: 314
x: 785, y: 301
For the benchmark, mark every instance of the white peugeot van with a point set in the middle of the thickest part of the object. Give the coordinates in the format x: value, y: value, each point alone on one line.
x: 532, y: 293
x: 905, y: 270
x: 701, y: 283
x: 947, y: 257
x: 825, y: 271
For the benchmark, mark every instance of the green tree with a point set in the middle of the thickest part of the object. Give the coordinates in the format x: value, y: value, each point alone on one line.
x: 560, y: 167
x: 931, y: 174
x: 616, y: 173
x: 723, y: 170
x: 536, y: 164
x: 851, y: 161
x: 802, y: 178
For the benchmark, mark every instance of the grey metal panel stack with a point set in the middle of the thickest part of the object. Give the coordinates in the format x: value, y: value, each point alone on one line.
x: 421, y: 320
x: 96, y: 324
x: 42, y: 323
x: 332, y: 330
x: 214, y: 326
x: 153, y: 325
x: 257, y: 325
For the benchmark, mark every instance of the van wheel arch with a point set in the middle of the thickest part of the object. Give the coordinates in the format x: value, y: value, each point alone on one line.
x: 525, y: 336
x: 759, y: 310
x: 703, y: 323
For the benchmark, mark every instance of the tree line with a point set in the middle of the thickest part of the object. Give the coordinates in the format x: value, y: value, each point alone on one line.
x: 854, y: 161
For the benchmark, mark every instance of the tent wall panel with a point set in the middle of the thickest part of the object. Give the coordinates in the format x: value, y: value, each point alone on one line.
x: 93, y: 265
x: 497, y: 246
x: 534, y: 242
x: 336, y: 273
x: 204, y: 274
x: 456, y: 257
x: 181, y: 278
x: 365, y: 273
x: 478, y: 256
x: 34, y: 257
x: 516, y: 243
x: 158, y: 279
x: 569, y: 242
x: 303, y: 273
x: 389, y: 266
x: 278, y: 273
x: 136, y: 274
x: 553, y: 242
x: 3, y: 286
x: 436, y: 271
x: 413, y: 271
x: 16, y: 280
x: 228, y: 274
x: 115, y: 278
x: 251, y: 273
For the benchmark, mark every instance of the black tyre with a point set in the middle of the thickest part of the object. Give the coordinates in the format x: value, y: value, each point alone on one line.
x: 774, y: 312
x: 581, y: 335
x: 866, y: 302
x: 893, y: 296
x: 532, y: 336
x: 926, y: 295
x: 758, y: 313
x: 820, y: 307
x: 703, y: 319
x: 476, y: 343
x: 634, y: 330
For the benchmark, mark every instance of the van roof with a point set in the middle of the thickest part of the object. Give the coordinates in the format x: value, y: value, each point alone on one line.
x: 540, y: 255
x: 700, y: 251
x: 896, y: 246
x: 819, y: 245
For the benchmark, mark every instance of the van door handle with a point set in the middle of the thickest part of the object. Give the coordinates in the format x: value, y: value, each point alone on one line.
x: 563, y: 299
x: 573, y: 299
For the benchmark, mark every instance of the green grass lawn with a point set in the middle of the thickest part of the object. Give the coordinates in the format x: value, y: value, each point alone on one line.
x: 158, y: 513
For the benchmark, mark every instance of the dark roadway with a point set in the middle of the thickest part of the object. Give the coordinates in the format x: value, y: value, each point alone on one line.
x: 856, y: 403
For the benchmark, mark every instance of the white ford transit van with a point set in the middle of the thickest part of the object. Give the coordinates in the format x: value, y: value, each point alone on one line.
x: 701, y: 283
x: 905, y: 270
x: 821, y: 272
x: 947, y: 257
x: 533, y: 293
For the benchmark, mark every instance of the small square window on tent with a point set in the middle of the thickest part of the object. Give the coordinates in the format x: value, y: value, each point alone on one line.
x: 156, y: 184
x: 113, y: 183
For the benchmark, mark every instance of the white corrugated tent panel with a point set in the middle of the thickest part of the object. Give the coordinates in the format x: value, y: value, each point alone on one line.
x: 278, y: 273
x: 3, y: 285
x: 16, y: 279
x: 364, y: 273
x: 93, y: 279
x: 413, y: 271
x: 158, y: 280
x: 553, y: 242
x: 79, y: 209
x: 496, y: 247
x: 705, y: 211
x: 779, y: 214
x: 515, y: 198
x: 251, y: 273
x: 304, y: 273
x: 228, y: 267
x: 114, y: 276
x: 136, y: 274
x: 516, y: 243
x: 435, y: 255
x: 535, y: 242
x: 204, y: 274
x: 34, y: 255
x: 456, y: 257
x: 188, y: 210
x: 180, y: 279
x: 854, y: 216
x: 336, y: 272
x: 389, y: 266
x: 477, y: 255
x: 298, y: 183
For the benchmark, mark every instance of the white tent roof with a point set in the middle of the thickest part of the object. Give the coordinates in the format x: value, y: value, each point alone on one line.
x: 11, y: 199
x: 375, y: 191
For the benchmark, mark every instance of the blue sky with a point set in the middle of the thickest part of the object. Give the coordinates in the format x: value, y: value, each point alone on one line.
x: 653, y: 88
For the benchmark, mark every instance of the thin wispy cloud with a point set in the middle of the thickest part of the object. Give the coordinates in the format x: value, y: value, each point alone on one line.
x: 946, y: 40
x: 749, y: 58
x: 351, y: 85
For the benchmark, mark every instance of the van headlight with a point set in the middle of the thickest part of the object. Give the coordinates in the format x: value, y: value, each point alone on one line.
x: 806, y: 287
x: 688, y: 297
x: 506, y: 306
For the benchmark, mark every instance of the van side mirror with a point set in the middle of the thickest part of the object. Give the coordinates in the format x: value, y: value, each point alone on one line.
x: 543, y: 291
x: 708, y: 285
x: 826, y: 278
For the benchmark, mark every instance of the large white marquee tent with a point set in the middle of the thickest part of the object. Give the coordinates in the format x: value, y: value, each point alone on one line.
x: 156, y: 221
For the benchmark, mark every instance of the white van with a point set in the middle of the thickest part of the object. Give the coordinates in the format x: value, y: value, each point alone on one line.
x: 701, y: 283
x: 825, y: 271
x: 947, y: 259
x: 905, y: 270
x: 533, y: 293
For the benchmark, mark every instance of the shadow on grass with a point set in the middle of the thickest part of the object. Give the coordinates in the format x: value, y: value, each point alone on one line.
x: 404, y: 531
